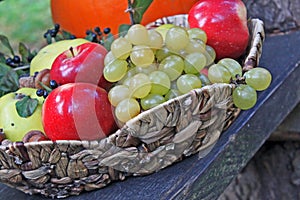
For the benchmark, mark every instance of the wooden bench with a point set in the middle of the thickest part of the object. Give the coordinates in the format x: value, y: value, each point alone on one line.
x: 207, y: 178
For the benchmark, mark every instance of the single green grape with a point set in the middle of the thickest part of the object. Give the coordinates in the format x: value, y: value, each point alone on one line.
x: 197, y: 33
x: 244, y: 97
x: 115, y: 71
x: 121, y: 48
x: 163, y: 29
x: 195, y: 45
x: 172, y: 94
x: 194, y: 63
x: 126, y: 81
x: 155, y: 39
x: 138, y: 35
x: 140, y: 85
x: 147, y: 70
x: 130, y: 73
x: 176, y: 38
x: 162, y: 53
x: 151, y: 100
x: 233, y: 66
x: 117, y: 93
x: 142, y: 56
x: 218, y: 74
x: 258, y: 78
x: 127, y: 109
x: 210, y: 54
x: 173, y: 66
x: 188, y: 82
x: 160, y: 82
x: 109, y: 57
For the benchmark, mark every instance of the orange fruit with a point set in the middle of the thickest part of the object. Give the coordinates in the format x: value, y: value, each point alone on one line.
x: 79, y: 16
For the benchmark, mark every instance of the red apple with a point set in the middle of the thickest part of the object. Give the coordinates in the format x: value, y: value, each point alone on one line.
x: 83, y: 63
x: 225, y: 23
x: 78, y: 111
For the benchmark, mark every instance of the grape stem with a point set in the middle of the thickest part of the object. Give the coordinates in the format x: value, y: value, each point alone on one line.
x: 21, y: 67
x: 130, y: 10
x: 238, y: 80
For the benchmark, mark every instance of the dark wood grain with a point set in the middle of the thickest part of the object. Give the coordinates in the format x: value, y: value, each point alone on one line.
x: 206, y: 178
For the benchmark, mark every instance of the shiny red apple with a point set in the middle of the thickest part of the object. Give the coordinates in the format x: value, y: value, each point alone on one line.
x: 78, y: 111
x: 225, y: 23
x: 83, y: 63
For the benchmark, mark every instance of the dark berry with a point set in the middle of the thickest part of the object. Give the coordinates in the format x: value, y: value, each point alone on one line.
x: 8, y: 61
x: 88, y: 32
x: 53, y: 84
x: 45, y: 94
x: 56, y: 27
x: 47, y: 33
x: 94, y: 36
x: 53, y: 33
x: 30, y: 57
x: 35, y: 74
x: 17, y: 59
x: 106, y: 30
x: 72, y: 37
x: 98, y: 30
x: 40, y: 92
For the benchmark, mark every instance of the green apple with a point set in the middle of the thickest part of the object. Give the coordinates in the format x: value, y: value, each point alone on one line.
x: 46, y: 56
x: 14, y: 126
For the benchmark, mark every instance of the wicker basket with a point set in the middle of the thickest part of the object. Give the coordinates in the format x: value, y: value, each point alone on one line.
x: 153, y: 140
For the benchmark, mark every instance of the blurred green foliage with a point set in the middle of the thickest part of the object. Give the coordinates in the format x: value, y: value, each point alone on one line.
x: 25, y: 21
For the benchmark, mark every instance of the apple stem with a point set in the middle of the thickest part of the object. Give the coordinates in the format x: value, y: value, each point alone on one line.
x: 72, y: 51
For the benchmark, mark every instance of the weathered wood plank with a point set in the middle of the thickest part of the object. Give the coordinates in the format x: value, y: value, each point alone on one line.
x: 278, y: 15
x: 289, y: 130
x: 208, y: 177
x: 272, y: 174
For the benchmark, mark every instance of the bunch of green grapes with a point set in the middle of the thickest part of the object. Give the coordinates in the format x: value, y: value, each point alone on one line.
x: 152, y: 66
x: 244, y: 96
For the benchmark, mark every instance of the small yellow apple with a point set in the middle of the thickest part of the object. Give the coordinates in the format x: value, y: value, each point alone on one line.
x: 46, y: 56
x: 14, y: 126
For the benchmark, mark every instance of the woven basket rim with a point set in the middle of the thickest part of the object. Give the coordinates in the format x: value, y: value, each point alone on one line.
x: 256, y: 38
x: 11, y: 154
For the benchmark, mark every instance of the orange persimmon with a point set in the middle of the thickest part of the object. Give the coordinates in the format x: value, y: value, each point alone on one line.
x: 78, y: 16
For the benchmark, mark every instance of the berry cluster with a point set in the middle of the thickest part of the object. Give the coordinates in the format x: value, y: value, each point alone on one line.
x: 97, y: 35
x: 14, y: 61
x: 57, y: 34
x: 45, y: 92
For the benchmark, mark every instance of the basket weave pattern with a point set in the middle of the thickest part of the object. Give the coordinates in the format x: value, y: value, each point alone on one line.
x: 153, y: 140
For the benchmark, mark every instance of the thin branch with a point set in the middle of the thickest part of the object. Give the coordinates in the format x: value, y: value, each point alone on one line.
x: 130, y: 10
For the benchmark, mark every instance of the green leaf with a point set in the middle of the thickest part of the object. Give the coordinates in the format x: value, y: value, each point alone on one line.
x: 3, y: 69
x: 108, y: 40
x: 24, y: 52
x: 67, y: 35
x: 5, y: 42
x: 59, y: 37
x: 89, y: 37
x: 26, y: 106
x: 9, y: 82
x: 49, y: 39
x: 2, y: 58
x: 140, y: 7
x: 123, y: 29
